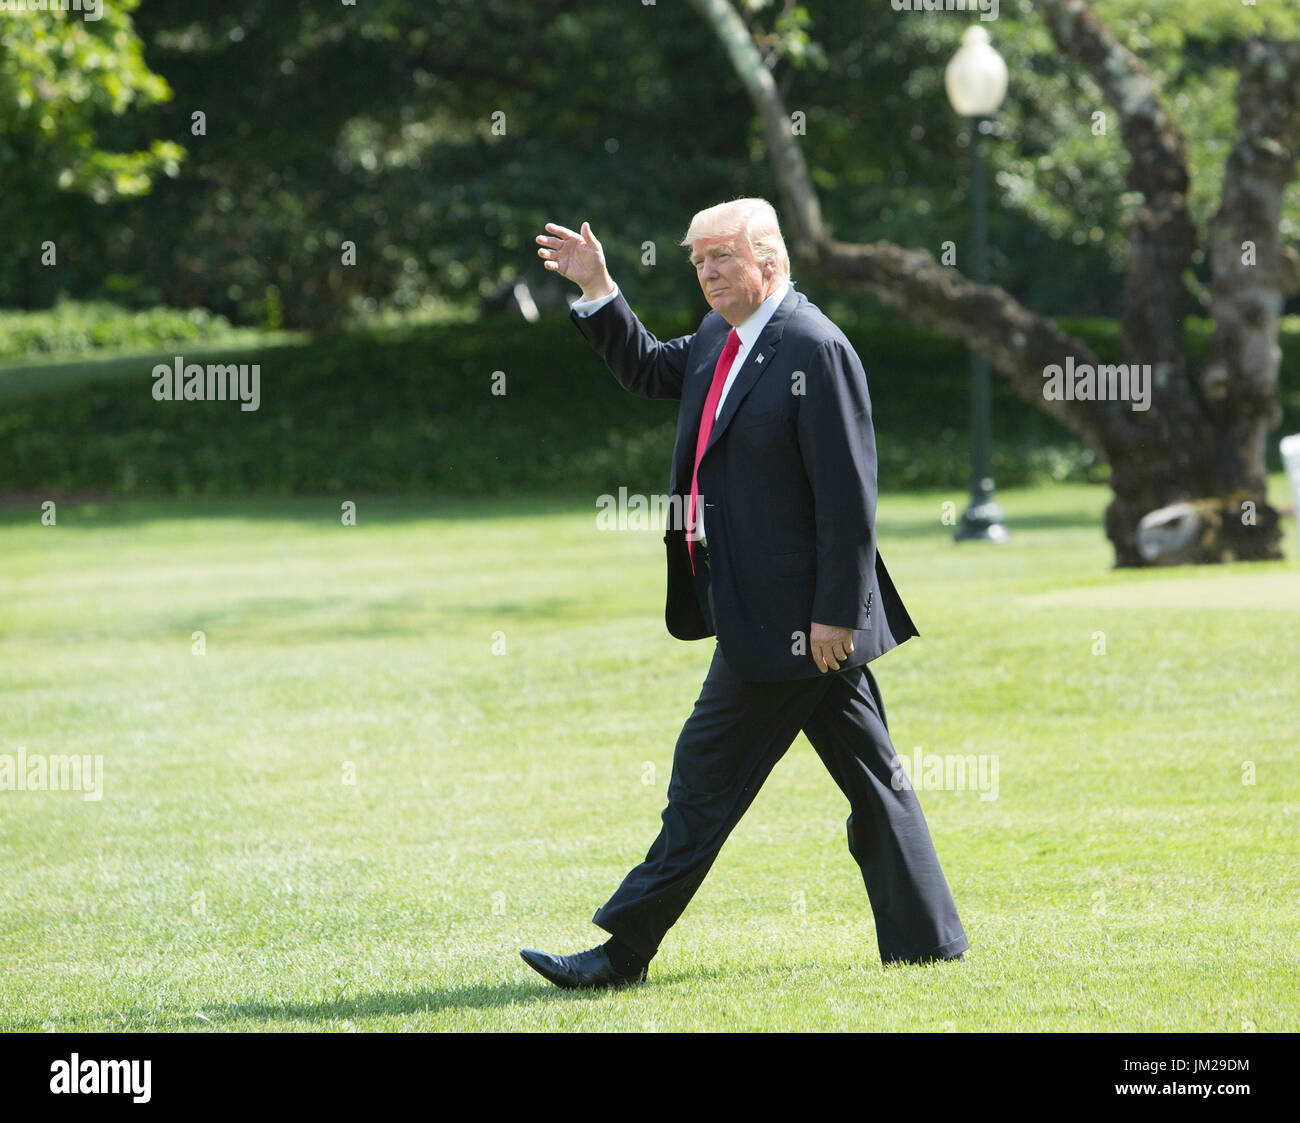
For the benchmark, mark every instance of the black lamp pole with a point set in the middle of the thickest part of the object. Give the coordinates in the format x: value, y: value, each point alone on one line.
x: 982, y: 519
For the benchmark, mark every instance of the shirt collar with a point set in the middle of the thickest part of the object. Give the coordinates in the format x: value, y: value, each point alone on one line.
x: 752, y: 328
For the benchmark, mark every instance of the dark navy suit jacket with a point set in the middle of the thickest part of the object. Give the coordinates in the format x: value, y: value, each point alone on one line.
x: 788, y: 483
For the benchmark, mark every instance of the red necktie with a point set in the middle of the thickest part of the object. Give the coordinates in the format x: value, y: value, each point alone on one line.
x: 706, y: 427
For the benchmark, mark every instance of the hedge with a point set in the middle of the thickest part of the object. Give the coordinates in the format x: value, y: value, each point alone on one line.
x: 414, y: 410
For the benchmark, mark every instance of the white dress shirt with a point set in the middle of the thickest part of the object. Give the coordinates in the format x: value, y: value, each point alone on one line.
x: 749, y: 331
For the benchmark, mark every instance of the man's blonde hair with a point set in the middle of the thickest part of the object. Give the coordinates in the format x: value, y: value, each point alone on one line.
x: 754, y: 220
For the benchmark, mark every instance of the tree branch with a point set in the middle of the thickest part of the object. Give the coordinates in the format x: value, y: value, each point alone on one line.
x: 803, y: 216
x: 1016, y: 341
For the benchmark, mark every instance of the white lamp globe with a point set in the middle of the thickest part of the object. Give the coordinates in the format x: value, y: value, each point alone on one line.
x: 976, y: 77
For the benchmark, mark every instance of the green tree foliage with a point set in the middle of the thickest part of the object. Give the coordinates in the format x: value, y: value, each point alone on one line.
x: 65, y: 84
x: 890, y: 161
x: 376, y: 124
x: 439, y: 137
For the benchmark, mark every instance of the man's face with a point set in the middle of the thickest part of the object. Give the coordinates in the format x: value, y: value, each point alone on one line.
x: 733, y: 282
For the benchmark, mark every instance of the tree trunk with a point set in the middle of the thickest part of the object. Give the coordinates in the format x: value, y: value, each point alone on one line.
x: 1252, y: 276
x: 1157, y: 455
x: 1164, y: 462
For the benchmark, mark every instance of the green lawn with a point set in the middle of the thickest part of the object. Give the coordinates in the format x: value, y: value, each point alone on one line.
x: 23, y: 378
x: 1125, y: 877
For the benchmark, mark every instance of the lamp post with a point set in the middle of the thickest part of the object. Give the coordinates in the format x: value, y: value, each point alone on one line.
x: 976, y: 81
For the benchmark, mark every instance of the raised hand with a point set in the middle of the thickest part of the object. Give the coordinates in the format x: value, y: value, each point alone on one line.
x: 579, y: 257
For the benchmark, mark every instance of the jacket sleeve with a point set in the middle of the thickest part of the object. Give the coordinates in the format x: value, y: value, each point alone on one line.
x: 640, y: 362
x: 838, y: 447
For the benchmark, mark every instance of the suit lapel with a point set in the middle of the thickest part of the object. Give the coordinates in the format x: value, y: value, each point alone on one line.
x: 759, y: 359
x: 696, y: 388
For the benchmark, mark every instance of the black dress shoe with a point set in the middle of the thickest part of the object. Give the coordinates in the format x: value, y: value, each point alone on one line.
x: 590, y: 968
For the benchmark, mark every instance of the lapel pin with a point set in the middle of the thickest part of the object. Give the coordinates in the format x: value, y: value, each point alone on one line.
x: 759, y: 359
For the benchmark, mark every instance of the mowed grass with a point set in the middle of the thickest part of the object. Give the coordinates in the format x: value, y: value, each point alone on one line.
x: 499, y: 681
x: 22, y: 378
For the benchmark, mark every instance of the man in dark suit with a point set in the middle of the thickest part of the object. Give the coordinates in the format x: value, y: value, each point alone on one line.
x: 774, y: 468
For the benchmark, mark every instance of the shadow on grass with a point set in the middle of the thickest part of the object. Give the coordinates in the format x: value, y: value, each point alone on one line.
x: 394, y: 1003
x: 480, y: 996
x: 933, y: 528
x: 23, y: 377
x: 98, y: 511
x: 95, y: 512
x: 390, y: 1003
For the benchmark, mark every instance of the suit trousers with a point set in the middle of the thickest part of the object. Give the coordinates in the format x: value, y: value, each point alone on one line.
x: 729, y: 745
